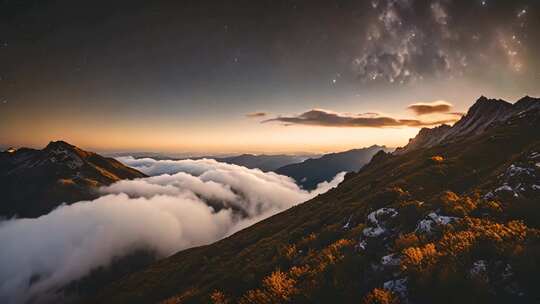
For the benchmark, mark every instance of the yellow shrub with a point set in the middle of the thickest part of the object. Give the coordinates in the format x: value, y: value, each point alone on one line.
x: 219, y: 297
x: 380, y: 296
x: 419, y: 258
x: 290, y: 252
x: 298, y: 271
x: 459, y: 206
x: 406, y: 240
x: 457, y: 243
x: 437, y: 159
x: 280, y: 285
x: 491, y: 206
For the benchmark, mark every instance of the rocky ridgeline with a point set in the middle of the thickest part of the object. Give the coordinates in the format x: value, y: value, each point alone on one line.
x: 484, y: 114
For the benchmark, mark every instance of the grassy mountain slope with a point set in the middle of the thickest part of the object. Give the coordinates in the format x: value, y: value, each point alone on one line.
x: 448, y: 235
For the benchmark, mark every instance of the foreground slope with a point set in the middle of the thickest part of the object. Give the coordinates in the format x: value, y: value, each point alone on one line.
x: 313, y: 171
x: 33, y: 182
x: 452, y: 223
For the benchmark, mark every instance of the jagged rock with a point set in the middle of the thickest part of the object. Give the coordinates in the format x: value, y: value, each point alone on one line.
x: 519, y: 179
x: 431, y: 221
x: 392, y: 259
x: 378, y: 219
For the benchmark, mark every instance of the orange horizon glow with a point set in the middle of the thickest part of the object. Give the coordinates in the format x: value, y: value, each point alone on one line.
x: 246, y: 137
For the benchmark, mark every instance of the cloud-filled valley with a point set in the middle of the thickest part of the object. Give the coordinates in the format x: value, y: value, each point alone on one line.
x: 182, y: 204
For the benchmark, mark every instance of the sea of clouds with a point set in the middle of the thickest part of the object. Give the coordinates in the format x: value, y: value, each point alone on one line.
x: 182, y: 204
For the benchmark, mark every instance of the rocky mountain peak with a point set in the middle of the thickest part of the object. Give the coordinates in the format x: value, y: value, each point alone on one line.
x: 484, y: 104
x: 58, y: 173
x: 64, y: 149
x: 482, y: 115
x: 59, y: 145
x: 527, y: 103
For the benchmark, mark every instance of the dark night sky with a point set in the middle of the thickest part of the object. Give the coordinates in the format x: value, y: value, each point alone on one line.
x: 182, y: 75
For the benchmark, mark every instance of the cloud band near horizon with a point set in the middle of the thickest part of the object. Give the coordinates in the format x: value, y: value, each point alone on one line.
x: 324, y: 118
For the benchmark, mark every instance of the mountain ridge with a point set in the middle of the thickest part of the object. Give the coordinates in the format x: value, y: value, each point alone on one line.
x: 480, y: 116
x: 59, y: 173
x: 313, y: 171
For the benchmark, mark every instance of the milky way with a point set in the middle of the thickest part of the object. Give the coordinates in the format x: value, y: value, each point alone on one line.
x: 180, y: 64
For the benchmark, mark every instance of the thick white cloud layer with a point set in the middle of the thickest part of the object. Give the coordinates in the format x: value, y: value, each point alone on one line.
x: 185, y: 203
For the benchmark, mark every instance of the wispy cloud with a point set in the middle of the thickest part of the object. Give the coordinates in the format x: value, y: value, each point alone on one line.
x: 320, y: 117
x: 256, y: 114
x: 423, y: 108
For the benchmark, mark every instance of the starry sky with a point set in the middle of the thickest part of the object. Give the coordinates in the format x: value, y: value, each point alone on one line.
x: 255, y: 76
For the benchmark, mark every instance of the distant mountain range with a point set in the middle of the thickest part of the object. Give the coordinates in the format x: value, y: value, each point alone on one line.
x: 265, y: 162
x: 313, y: 171
x: 36, y: 181
x: 262, y: 161
x: 33, y: 182
x: 453, y: 217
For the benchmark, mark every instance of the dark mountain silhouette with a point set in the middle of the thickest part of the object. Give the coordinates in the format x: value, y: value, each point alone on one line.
x: 33, y: 182
x: 455, y: 222
x: 263, y: 162
x: 313, y: 171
